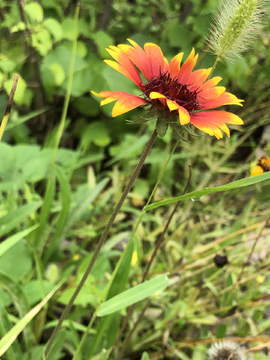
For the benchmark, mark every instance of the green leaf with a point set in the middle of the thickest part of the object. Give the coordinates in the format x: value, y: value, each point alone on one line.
x: 87, y: 106
x: 20, y: 301
x: 89, y: 197
x: 46, y: 207
x: 133, y: 295
x: 55, y: 351
x: 16, y: 217
x: 194, y: 194
x: 102, y: 40
x: 117, y: 284
x: 145, y: 356
x: 23, y: 265
x: 34, y: 292
x: 55, y: 28
x: 14, y: 352
x: 34, y: 11
x: 21, y: 119
x: 12, y: 240
x: 96, y: 133
x: 9, y: 338
x: 65, y: 202
x: 20, y: 90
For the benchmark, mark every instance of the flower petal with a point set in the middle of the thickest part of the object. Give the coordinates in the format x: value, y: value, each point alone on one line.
x: 209, y: 84
x: 123, y: 65
x: 210, y: 94
x: 198, y: 77
x: 138, y: 57
x: 184, y: 116
x: 125, y: 103
x: 156, y: 95
x: 158, y: 62
x: 223, y: 99
x: 175, y: 65
x: 256, y: 171
x: 187, y: 67
x: 211, y: 121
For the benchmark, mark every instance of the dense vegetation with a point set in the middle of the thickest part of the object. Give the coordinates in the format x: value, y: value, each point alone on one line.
x: 58, y: 189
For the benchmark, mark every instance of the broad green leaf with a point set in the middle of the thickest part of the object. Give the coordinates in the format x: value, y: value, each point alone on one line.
x: 16, y: 255
x: 12, y: 240
x: 16, y: 217
x: 58, y: 73
x: 54, y: 28
x: 102, y: 40
x: 133, y: 295
x: 12, y: 335
x: 34, y: 292
x: 194, y: 194
x: 34, y: 11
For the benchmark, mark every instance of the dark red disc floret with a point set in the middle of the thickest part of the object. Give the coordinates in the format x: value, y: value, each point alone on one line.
x: 173, y: 90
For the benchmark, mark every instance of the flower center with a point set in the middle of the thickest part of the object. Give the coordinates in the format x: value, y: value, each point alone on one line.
x: 172, y: 89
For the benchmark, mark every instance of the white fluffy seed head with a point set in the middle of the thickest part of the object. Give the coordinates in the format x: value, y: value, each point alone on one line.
x: 225, y: 350
x: 235, y: 27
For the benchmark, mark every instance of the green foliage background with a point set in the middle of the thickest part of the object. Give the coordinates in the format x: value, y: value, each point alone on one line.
x: 96, y: 156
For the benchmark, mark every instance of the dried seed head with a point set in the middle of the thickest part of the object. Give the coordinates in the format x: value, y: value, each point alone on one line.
x: 225, y: 350
x: 236, y: 25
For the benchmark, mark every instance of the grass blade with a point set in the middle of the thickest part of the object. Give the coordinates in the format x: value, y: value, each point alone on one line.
x: 14, y: 218
x: 14, y: 352
x: 12, y: 335
x: 21, y: 303
x: 12, y: 240
x: 233, y: 185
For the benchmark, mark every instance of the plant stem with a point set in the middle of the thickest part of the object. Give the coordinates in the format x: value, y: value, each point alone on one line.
x: 159, y: 243
x: 8, y: 108
x: 102, y: 239
x: 213, y: 68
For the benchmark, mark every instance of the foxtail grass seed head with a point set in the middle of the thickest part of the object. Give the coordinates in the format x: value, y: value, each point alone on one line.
x: 236, y: 26
x: 225, y: 350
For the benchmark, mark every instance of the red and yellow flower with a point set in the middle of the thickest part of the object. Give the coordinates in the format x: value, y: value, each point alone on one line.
x: 170, y: 88
x: 263, y: 165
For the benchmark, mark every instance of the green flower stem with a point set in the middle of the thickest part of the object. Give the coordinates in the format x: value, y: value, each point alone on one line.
x: 131, y: 238
x: 10, y: 102
x: 213, y: 68
x: 102, y: 239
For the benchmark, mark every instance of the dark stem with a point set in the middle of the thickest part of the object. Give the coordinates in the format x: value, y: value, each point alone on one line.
x: 159, y: 243
x: 102, y: 238
x: 106, y: 15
